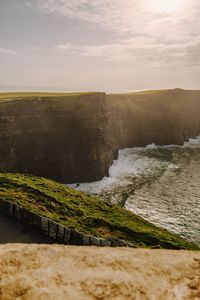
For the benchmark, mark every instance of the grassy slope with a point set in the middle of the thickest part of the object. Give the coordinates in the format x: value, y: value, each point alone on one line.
x: 148, y: 92
x: 83, y: 212
x: 153, y: 92
x: 11, y: 96
x: 14, y: 95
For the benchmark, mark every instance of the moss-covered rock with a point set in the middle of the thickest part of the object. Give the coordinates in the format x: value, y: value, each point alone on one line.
x: 85, y: 213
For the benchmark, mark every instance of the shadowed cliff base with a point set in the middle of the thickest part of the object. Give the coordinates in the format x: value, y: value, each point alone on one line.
x: 12, y: 231
x: 75, y: 137
x: 47, y: 272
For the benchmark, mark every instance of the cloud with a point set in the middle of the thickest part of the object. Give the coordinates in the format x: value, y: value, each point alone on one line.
x: 8, y: 51
x: 140, y: 51
x: 65, y: 47
x: 110, y: 14
x: 133, y: 16
x: 137, y: 33
x: 35, y: 48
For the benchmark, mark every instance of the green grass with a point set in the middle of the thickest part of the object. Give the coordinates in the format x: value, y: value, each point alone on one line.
x: 84, y: 212
x: 19, y: 95
x: 147, y: 92
x: 153, y: 92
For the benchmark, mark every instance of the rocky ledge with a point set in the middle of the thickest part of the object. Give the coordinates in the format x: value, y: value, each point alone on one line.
x: 65, y: 272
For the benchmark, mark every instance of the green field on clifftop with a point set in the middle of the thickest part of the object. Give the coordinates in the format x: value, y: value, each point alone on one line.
x: 84, y: 212
x: 16, y: 95
x: 153, y: 92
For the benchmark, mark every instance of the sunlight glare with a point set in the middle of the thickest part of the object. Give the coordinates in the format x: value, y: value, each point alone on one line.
x: 162, y: 6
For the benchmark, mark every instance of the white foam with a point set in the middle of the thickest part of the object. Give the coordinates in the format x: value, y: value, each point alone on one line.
x: 146, y: 178
x: 152, y: 146
x: 194, y: 142
x: 130, y: 164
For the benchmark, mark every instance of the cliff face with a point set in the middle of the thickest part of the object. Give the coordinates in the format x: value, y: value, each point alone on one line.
x: 165, y: 117
x: 74, y: 138
x: 61, y: 138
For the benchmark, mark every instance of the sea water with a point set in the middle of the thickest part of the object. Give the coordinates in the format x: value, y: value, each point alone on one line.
x: 159, y: 183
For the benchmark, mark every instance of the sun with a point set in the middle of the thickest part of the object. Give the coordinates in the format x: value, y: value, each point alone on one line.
x: 168, y: 6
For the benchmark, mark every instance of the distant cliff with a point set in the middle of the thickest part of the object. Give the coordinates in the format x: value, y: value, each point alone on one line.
x: 74, y: 138
x: 160, y: 117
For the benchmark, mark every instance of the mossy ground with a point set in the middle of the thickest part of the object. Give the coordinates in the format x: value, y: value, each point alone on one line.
x: 154, y: 92
x: 15, y: 95
x: 84, y: 212
x: 147, y: 92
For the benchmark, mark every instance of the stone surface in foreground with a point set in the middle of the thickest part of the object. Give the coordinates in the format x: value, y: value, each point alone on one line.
x: 62, y: 272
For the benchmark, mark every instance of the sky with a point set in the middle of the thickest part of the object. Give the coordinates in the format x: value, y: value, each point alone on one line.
x: 99, y: 45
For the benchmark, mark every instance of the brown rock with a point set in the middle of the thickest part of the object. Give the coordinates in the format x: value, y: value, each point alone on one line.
x: 32, y: 272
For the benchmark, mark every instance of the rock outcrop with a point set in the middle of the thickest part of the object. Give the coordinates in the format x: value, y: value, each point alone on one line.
x: 63, y: 272
x: 75, y: 138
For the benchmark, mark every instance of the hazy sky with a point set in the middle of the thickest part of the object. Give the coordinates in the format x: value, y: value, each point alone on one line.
x: 108, y: 45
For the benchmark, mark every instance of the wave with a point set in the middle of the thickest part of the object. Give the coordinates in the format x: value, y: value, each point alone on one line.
x: 159, y: 183
x: 135, y: 162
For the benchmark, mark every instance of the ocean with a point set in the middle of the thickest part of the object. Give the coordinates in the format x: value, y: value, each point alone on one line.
x: 159, y: 183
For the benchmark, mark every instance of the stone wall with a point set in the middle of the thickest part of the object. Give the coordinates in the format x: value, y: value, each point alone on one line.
x: 61, y: 234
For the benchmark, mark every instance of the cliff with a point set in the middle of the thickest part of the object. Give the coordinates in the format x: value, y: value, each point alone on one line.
x: 61, y: 272
x: 59, y: 137
x: 74, y: 138
x: 160, y: 117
